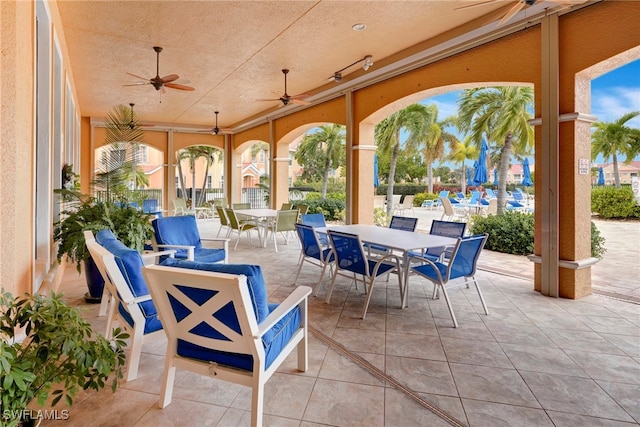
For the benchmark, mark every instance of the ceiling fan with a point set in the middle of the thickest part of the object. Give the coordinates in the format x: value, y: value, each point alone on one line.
x: 133, y: 121
x: 161, y: 82
x: 216, y: 130
x: 286, y: 98
x: 517, y: 6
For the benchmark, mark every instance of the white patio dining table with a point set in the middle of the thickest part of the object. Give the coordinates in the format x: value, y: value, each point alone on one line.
x: 399, y: 240
x: 262, y: 218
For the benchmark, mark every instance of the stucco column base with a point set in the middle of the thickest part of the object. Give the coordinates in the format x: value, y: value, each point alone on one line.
x: 574, y: 283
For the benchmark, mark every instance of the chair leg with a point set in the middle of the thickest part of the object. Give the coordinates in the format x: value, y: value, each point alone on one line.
x: 446, y: 298
x: 257, y: 401
x: 134, y: 357
x: 300, y: 262
x: 104, y: 301
x: 369, y: 294
x: 484, y: 305
x: 333, y: 282
x: 167, y: 383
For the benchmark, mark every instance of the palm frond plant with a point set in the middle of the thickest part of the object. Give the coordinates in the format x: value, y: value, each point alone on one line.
x: 109, y: 207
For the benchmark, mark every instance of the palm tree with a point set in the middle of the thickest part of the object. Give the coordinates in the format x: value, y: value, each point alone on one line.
x: 501, y: 113
x: 463, y: 150
x: 328, y: 141
x: 613, y: 138
x: 123, y: 136
x: 210, y: 154
x: 411, y: 119
x: 432, y: 146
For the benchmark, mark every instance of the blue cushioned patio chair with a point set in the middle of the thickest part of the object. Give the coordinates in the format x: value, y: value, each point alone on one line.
x: 351, y: 261
x: 219, y: 324
x: 131, y: 306
x: 314, y: 253
x: 181, y: 233
x: 459, y: 270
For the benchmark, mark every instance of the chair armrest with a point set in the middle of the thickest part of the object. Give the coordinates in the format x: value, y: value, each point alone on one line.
x: 189, y: 248
x: 225, y: 245
x: 294, y: 299
x: 138, y: 300
x: 147, y: 256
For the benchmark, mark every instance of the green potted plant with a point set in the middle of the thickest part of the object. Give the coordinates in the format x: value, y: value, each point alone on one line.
x: 48, y: 353
x: 130, y: 225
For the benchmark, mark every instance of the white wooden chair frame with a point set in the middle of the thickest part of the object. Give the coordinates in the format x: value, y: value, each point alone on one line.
x: 229, y: 288
x: 116, y: 290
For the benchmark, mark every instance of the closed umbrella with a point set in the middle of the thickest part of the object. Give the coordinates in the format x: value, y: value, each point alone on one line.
x: 600, y: 176
x: 480, y: 175
x: 526, y: 173
x: 495, y: 177
x: 469, y: 178
x: 376, y: 180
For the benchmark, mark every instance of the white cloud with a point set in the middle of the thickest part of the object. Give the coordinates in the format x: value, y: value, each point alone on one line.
x: 611, y: 104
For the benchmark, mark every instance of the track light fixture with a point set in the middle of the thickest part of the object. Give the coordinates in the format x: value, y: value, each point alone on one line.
x: 367, y: 62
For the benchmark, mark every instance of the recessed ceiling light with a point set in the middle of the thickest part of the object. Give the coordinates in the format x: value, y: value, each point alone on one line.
x: 359, y: 27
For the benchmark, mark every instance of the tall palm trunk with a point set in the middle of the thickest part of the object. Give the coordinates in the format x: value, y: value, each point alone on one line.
x: 504, y: 170
x: 392, y: 175
x: 203, y: 193
x: 430, y: 177
x: 325, y: 176
x: 181, y: 182
x: 616, y: 172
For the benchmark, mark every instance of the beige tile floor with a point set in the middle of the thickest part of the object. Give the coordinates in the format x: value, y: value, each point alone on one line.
x: 533, y: 361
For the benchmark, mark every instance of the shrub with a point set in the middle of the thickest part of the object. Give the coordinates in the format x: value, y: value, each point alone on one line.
x: 512, y: 233
x: 611, y: 202
x: 331, y: 208
x: 597, y: 242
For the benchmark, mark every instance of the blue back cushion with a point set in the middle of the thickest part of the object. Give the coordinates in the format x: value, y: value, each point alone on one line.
x: 257, y: 287
x: 177, y: 230
x: 130, y: 264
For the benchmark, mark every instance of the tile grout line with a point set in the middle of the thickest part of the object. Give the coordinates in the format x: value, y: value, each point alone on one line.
x: 382, y: 375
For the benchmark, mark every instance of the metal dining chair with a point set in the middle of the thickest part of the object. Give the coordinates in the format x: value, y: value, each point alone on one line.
x: 351, y: 261
x: 459, y: 270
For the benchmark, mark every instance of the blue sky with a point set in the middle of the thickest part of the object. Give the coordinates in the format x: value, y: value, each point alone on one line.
x: 612, y: 95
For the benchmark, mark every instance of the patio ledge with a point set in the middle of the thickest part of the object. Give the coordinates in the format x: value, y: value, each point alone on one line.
x: 572, y: 265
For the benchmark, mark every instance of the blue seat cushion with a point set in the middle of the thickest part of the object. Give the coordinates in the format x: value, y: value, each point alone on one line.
x: 177, y: 230
x: 130, y: 264
x: 183, y: 230
x: 273, y: 340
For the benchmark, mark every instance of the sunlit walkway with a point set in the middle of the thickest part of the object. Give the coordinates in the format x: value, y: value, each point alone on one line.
x: 533, y: 361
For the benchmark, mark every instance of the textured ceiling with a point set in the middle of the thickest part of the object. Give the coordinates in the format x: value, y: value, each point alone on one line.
x: 232, y: 52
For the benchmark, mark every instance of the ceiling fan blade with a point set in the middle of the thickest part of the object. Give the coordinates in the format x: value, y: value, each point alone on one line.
x: 299, y: 101
x: 138, y: 84
x: 179, y: 86
x: 482, y: 3
x: 170, y: 78
x: 269, y: 99
x: 139, y: 77
x: 510, y: 14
